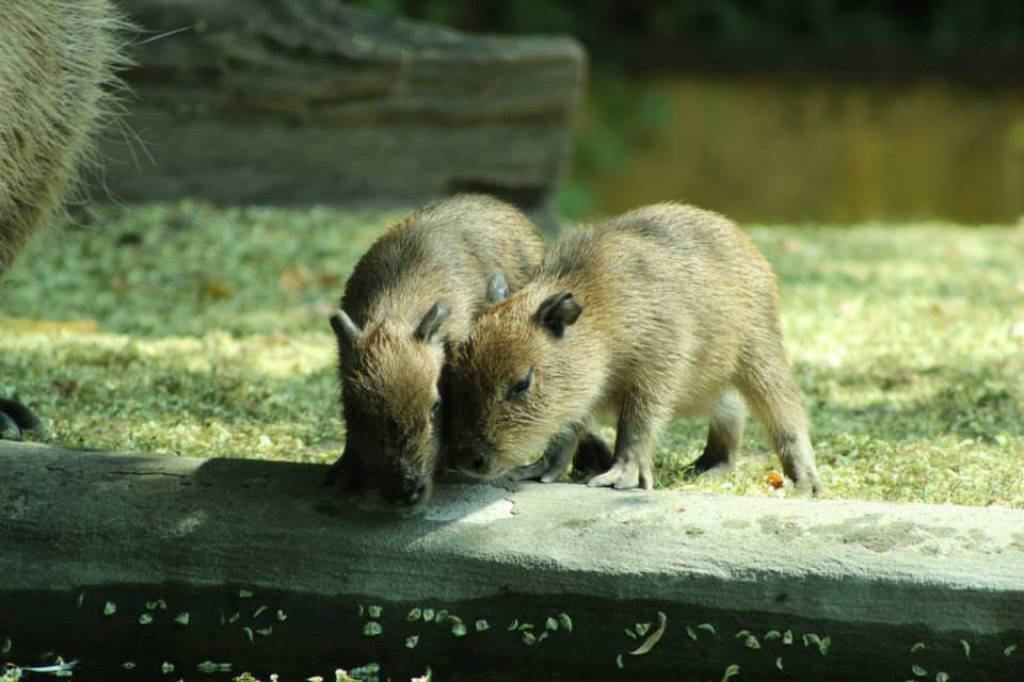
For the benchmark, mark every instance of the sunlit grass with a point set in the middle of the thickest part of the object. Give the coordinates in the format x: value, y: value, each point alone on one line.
x: 210, y: 339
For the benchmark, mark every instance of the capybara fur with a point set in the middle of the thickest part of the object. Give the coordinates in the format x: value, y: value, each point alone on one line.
x: 57, y: 64
x: 665, y: 309
x: 416, y: 290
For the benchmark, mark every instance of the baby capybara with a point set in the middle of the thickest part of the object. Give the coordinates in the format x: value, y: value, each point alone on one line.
x: 666, y: 309
x: 415, y: 291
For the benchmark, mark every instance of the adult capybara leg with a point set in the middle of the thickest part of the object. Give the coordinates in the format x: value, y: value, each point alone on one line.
x: 766, y: 381
x: 16, y: 419
x: 725, y: 433
x: 57, y: 60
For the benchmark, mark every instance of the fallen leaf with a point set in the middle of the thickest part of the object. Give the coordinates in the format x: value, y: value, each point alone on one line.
x: 300, y: 279
x: 328, y: 279
x: 216, y: 289
x: 295, y: 280
x: 649, y: 642
x: 64, y: 387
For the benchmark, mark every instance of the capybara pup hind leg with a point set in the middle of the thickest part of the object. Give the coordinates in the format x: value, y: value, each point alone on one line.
x: 767, y: 383
x: 725, y: 433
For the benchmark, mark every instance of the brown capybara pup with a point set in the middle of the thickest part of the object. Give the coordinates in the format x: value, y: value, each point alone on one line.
x: 666, y: 309
x: 414, y: 291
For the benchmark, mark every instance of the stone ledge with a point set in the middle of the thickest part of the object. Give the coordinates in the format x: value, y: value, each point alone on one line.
x: 875, y: 578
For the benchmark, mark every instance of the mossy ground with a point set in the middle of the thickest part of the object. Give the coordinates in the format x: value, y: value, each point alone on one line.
x: 198, y: 331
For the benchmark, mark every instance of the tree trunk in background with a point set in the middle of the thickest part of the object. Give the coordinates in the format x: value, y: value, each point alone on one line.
x: 296, y: 101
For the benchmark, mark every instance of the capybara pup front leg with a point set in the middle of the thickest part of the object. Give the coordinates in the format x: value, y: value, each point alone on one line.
x: 555, y: 459
x: 640, y: 425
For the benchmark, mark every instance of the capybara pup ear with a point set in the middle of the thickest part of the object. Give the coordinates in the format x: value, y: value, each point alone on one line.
x: 497, y: 287
x: 345, y: 329
x: 431, y: 323
x: 558, y: 312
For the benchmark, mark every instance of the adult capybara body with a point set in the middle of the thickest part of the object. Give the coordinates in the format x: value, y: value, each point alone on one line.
x: 666, y: 309
x: 57, y: 60
x: 417, y: 289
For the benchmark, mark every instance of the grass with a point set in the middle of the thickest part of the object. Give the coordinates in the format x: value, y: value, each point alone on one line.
x: 180, y: 328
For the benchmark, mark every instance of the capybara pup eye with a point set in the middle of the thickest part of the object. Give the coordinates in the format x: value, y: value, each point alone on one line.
x: 521, y: 386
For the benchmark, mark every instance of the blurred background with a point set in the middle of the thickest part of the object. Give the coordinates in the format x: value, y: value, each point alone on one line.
x: 796, y: 110
x: 826, y: 111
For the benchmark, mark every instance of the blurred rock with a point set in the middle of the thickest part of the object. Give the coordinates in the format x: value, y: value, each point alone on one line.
x: 296, y: 101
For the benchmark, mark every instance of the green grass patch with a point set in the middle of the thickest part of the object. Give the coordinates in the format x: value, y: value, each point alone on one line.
x: 198, y: 331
